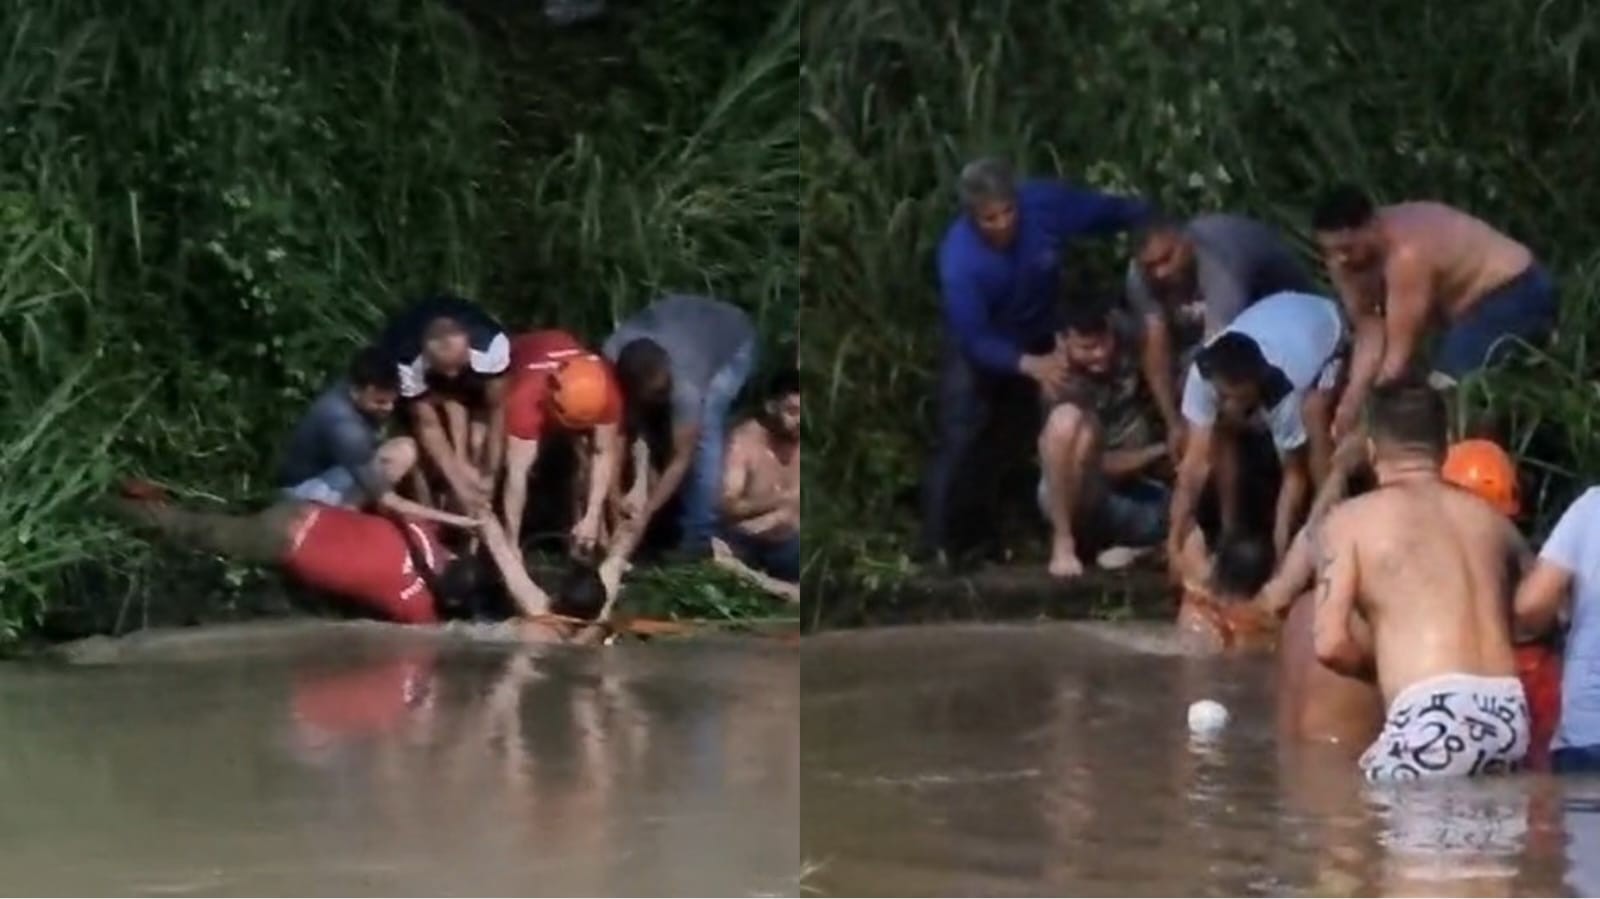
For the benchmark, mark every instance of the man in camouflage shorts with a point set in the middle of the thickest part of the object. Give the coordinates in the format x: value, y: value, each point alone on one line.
x: 1099, y: 446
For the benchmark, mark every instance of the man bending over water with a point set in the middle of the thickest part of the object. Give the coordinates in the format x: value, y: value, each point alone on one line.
x: 391, y: 569
x: 1413, y: 581
x: 1401, y: 269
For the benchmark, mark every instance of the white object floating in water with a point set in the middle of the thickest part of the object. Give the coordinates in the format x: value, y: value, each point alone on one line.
x: 1207, y: 718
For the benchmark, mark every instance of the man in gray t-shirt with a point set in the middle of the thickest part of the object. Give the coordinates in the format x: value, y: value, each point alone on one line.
x: 1188, y: 281
x: 335, y: 457
x: 690, y: 355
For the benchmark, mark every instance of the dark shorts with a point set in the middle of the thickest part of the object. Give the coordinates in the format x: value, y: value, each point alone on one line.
x: 778, y: 558
x: 1132, y: 514
x: 1523, y: 308
x: 1575, y: 760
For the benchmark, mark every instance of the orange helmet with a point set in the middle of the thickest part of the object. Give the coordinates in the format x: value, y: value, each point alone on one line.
x: 1484, y: 468
x: 579, y: 391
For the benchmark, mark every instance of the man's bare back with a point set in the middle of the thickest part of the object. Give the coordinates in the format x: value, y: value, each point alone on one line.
x: 1434, y: 567
x: 771, y: 472
x: 1454, y: 257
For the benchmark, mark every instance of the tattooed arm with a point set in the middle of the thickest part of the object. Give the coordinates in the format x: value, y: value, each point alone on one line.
x: 1335, y: 641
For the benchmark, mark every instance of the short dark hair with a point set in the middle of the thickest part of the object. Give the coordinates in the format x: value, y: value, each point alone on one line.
x: 582, y: 594
x: 1409, y: 413
x: 1091, y: 319
x: 1343, y: 207
x: 641, y: 361
x: 461, y: 588
x: 372, y: 367
x: 1233, y: 356
x: 784, y: 382
x: 1158, y: 223
x: 1243, y: 564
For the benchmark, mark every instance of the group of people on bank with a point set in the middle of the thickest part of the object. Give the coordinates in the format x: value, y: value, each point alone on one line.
x: 1287, y: 446
x: 424, y: 522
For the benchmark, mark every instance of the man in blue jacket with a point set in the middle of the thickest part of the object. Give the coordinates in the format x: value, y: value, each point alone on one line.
x: 1000, y: 274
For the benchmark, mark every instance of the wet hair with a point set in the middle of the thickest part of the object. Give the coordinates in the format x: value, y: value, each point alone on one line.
x: 784, y: 382
x: 1342, y: 208
x: 1409, y: 413
x: 641, y: 362
x: 1091, y: 319
x: 983, y: 180
x: 374, y: 368
x: 462, y: 588
x: 582, y: 594
x: 1243, y: 564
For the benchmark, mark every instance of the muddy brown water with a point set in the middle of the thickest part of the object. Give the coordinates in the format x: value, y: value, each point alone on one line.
x: 1055, y: 760
x: 338, y: 760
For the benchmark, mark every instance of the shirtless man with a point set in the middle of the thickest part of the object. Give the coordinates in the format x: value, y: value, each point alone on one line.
x: 761, y: 484
x: 1402, y: 270
x: 1413, y: 582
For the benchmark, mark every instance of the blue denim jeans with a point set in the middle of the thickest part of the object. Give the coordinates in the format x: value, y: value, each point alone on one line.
x: 779, y: 558
x: 702, y: 489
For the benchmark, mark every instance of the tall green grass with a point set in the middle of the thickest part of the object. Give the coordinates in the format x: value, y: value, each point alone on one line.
x: 204, y: 208
x: 1202, y: 106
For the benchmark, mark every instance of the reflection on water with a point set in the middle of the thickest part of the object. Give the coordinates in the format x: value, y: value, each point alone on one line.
x: 1055, y: 760
x: 340, y: 760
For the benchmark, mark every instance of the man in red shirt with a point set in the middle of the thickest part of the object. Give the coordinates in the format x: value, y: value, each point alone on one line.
x: 560, y: 388
x: 389, y: 568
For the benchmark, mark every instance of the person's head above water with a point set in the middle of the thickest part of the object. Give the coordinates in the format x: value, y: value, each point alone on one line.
x: 987, y: 190
x: 582, y: 594
x: 1241, y: 376
x: 1165, y: 256
x: 1347, y: 229
x: 1242, y: 566
x: 374, y: 383
x: 645, y: 371
x: 782, y: 407
x: 1483, y: 468
x: 464, y: 588
x: 1088, y: 338
x: 1407, y: 422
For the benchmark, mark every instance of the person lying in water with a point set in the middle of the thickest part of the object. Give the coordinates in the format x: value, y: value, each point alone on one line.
x: 1413, y: 581
x: 1216, y: 611
x: 391, y: 569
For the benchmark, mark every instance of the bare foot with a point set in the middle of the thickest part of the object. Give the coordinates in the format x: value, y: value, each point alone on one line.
x: 1064, y: 560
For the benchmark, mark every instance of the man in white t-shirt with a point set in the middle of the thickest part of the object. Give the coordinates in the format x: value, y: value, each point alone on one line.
x: 1276, y: 364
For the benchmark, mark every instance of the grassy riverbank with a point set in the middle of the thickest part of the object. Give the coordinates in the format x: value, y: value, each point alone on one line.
x: 205, y: 207
x: 1202, y: 106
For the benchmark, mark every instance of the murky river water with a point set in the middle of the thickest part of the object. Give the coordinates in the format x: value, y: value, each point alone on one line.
x: 342, y: 760
x: 1055, y: 760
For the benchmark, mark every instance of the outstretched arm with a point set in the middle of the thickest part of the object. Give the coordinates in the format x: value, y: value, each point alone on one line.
x: 530, y: 600
x: 1405, y: 316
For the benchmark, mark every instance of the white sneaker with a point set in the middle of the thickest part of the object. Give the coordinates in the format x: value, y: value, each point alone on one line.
x: 1119, y: 557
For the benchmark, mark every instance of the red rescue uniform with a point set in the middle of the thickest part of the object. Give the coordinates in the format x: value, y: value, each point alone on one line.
x: 363, y: 558
x: 1539, y: 669
x: 534, y: 356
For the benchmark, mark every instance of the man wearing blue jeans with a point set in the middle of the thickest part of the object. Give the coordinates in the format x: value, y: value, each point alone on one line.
x: 690, y: 355
x: 1000, y: 275
x: 761, y: 484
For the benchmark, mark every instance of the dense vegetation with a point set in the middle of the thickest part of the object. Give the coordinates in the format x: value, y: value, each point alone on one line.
x: 204, y: 207
x: 1229, y: 105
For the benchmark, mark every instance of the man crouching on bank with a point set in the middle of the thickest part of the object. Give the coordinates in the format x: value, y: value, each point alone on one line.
x: 1413, y: 579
